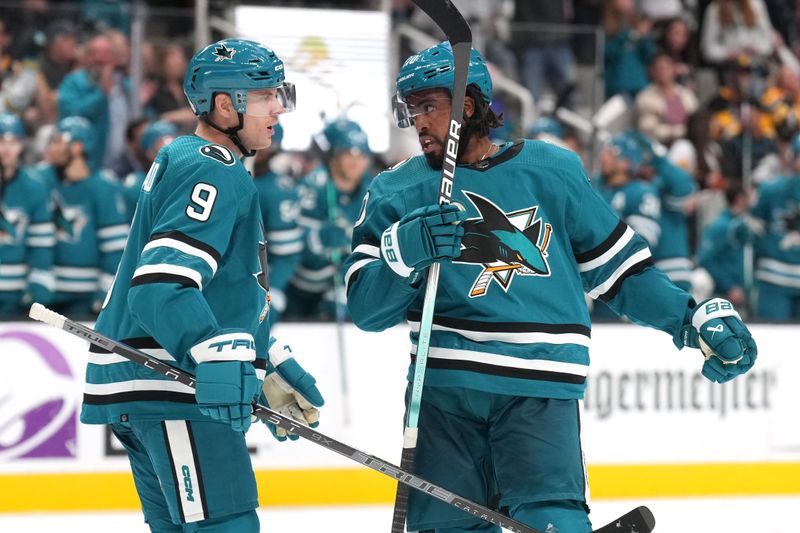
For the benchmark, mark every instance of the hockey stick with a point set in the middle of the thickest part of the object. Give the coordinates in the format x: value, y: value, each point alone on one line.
x: 336, y: 259
x: 445, y: 15
x: 640, y: 520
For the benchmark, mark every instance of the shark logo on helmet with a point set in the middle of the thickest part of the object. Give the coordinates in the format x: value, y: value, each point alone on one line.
x: 504, y: 244
x: 222, y: 53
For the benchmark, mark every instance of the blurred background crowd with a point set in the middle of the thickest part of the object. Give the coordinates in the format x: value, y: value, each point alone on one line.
x: 686, y: 113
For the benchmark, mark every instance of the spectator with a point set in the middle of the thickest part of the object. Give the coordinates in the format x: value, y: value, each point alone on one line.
x: 17, y: 78
x: 59, y: 59
x: 26, y: 226
x: 721, y: 250
x: 676, y: 42
x: 743, y: 84
x: 169, y: 102
x: 89, y: 215
x: 732, y: 28
x: 664, y: 106
x: 97, y: 92
x: 280, y: 207
x: 136, y: 158
x: 737, y: 158
x: 661, y: 10
x: 782, y: 102
x: 545, y: 54
x: 629, y: 48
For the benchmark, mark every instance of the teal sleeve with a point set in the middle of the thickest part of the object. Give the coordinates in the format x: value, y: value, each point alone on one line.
x: 41, y: 242
x: 78, y: 96
x: 677, y: 184
x: 376, y: 298
x: 192, y: 226
x: 285, y: 238
x: 112, y: 230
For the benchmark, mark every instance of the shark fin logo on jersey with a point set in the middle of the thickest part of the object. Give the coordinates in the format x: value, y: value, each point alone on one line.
x: 69, y: 220
x: 263, y: 274
x: 504, y: 244
x: 222, y: 52
x: 218, y: 153
x: 12, y: 225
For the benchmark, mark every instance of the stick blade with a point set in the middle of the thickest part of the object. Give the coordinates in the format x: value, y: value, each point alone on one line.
x: 448, y: 18
x: 640, y: 520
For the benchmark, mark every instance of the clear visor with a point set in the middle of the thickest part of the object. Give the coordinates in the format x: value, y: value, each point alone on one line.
x: 270, y: 102
x: 421, y: 103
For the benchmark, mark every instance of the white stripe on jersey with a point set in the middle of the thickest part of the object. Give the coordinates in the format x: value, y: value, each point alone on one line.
x: 646, y: 227
x: 368, y: 249
x: 42, y: 228
x: 75, y: 286
x: 13, y: 270
x: 675, y: 263
x: 285, y: 248
x: 137, y: 385
x: 12, y: 284
x: 507, y: 361
x: 526, y: 337
x: 112, y: 358
x: 604, y: 287
x: 76, y: 272
x: 186, y: 476
x: 610, y: 253
x: 45, y: 278
x: 316, y: 275
x: 114, y: 245
x: 285, y: 234
x: 779, y: 266
x: 113, y: 231
x: 778, y: 279
x: 41, y: 242
x: 181, y: 246
x: 164, y: 268
x: 354, y: 268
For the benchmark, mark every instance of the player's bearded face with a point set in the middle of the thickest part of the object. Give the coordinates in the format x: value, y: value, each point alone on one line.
x: 431, y: 111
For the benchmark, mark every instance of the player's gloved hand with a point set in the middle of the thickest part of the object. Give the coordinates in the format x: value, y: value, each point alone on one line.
x: 715, y: 327
x: 425, y: 235
x: 291, y: 391
x: 225, y: 391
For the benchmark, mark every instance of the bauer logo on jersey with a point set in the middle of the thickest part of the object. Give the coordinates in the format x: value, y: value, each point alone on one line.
x: 504, y: 244
x: 218, y: 153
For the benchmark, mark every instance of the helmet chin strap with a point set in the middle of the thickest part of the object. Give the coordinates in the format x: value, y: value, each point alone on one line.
x: 233, y: 135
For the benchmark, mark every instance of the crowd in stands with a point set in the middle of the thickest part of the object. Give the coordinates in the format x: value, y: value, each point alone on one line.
x: 705, y: 164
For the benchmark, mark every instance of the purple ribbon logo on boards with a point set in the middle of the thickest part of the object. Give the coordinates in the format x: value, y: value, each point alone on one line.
x: 38, y: 398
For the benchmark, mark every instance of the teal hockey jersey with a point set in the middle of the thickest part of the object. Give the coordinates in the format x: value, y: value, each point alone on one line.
x: 675, y: 188
x: 26, y: 242
x: 130, y: 188
x: 194, y: 270
x: 280, y: 207
x: 510, y: 315
x: 638, y: 205
x: 91, y: 231
x: 721, y: 251
x: 778, y: 207
x: 315, y: 272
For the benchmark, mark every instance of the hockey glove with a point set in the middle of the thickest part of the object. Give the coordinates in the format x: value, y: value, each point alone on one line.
x: 225, y: 391
x: 425, y: 235
x: 291, y: 391
x: 715, y: 327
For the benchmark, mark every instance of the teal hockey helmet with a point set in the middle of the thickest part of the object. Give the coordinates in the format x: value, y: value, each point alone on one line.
x: 77, y: 129
x: 155, y: 131
x: 234, y: 67
x: 343, y: 135
x: 11, y: 126
x: 433, y: 68
x: 546, y: 126
x: 628, y: 149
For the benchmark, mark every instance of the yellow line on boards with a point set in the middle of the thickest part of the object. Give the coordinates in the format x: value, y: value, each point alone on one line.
x: 105, y: 491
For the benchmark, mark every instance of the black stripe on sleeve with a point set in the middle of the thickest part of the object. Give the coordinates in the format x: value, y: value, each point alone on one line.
x: 502, y: 327
x: 634, y: 269
x: 200, y: 487
x: 191, y: 241
x: 503, y: 371
x: 604, y: 246
x: 139, y: 396
x: 160, y: 277
x: 142, y: 343
x: 178, y: 499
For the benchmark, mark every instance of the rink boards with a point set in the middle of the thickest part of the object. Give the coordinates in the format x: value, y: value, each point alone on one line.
x: 653, y: 427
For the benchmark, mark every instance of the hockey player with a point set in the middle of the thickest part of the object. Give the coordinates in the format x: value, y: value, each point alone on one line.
x: 331, y: 199
x: 675, y: 188
x: 721, y: 250
x: 778, y: 264
x: 280, y: 207
x: 192, y: 289
x: 26, y: 226
x: 508, y: 357
x: 155, y: 136
x: 89, y: 216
